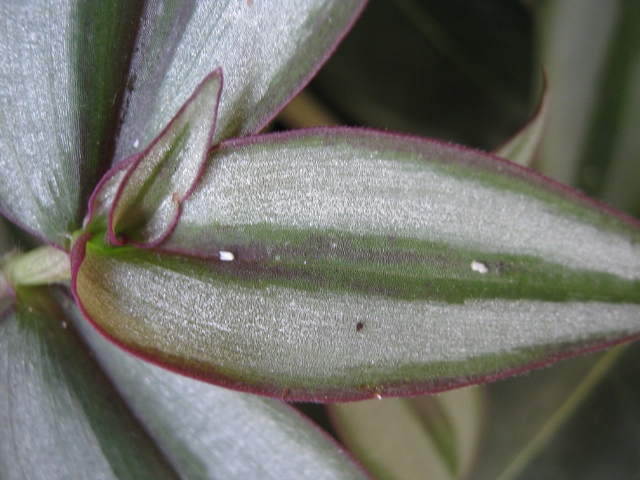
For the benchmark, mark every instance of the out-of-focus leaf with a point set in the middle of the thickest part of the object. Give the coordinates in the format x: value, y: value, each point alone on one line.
x: 60, y: 417
x: 435, y: 68
x: 577, y: 420
x: 7, y: 292
x: 43, y: 266
x: 592, y: 49
x: 211, y: 432
x: 267, y: 50
x: 147, y: 203
x: 431, y: 437
x: 601, y: 438
x: 62, y: 74
x: 520, y: 408
x: 523, y: 147
x: 341, y: 264
x: 306, y: 111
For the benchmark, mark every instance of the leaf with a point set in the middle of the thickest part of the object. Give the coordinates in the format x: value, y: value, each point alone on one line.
x: 343, y: 264
x: 523, y: 147
x: 43, y: 266
x: 454, y: 65
x: 575, y: 420
x: 59, y: 415
x: 433, y: 437
x: 147, y: 202
x: 592, y: 142
x: 268, y: 51
x: 62, y: 73
x: 211, y: 432
x: 600, y: 438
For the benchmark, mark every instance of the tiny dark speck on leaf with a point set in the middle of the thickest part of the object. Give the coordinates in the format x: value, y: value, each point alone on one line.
x: 359, y: 326
x: 285, y: 393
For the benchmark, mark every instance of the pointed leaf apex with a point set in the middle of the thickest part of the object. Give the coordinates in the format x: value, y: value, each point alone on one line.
x: 147, y: 204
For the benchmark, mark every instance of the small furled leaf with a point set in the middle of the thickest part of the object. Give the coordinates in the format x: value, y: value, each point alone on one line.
x: 147, y: 202
x: 212, y: 432
x: 60, y: 417
x: 344, y: 264
x: 523, y: 147
x: 433, y: 437
x: 268, y: 50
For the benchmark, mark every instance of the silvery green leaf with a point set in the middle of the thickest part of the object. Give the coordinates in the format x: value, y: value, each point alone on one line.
x: 62, y: 72
x: 342, y: 264
x: 267, y: 50
x: 60, y: 417
x: 212, y: 432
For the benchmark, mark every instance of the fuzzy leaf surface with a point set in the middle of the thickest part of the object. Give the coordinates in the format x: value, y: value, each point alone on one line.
x: 343, y: 264
x: 268, y: 51
x: 62, y: 72
x: 60, y: 416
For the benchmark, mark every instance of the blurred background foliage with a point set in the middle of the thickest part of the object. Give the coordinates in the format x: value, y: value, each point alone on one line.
x: 471, y: 72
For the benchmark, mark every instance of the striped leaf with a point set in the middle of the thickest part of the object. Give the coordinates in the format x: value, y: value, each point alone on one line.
x: 343, y: 264
x: 207, y: 432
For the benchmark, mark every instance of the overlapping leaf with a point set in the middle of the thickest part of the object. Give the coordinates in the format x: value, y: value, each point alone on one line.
x: 523, y: 147
x: 268, y: 51
x: 62, y: 71
x: 74, y: 76
x: 343, y: 264
x: 433, y: 437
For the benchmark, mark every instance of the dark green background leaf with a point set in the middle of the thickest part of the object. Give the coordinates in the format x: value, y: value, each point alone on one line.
x: 435, y: 68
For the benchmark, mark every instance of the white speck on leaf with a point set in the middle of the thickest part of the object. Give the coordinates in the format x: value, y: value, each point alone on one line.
x: 136, y: 143
x: 479, y: 267
x: 226, y: 256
